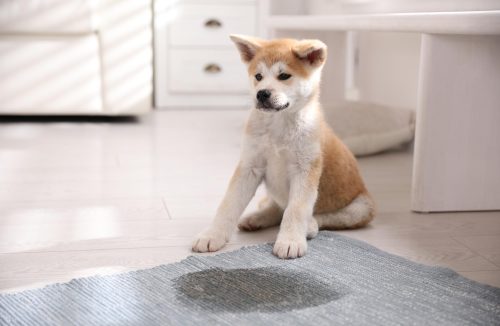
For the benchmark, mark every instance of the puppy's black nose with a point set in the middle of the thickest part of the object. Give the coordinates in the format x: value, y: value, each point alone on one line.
x: 263, y: 95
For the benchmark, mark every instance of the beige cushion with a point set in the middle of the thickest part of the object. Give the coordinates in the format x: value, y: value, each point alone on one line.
x: 368, y: 128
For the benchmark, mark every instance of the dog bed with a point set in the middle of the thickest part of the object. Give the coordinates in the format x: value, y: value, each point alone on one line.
x: 368, y: 128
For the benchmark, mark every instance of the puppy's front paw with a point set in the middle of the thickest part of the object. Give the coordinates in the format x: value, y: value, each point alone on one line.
x: 290, y: 247
x: 209, y: 241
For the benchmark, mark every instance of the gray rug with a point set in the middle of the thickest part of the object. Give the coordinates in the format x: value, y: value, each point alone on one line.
x: 339, y: 281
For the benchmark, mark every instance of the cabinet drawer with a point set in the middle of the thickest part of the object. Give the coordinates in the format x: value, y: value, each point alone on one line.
x: 211, y: 24
x: 213, y: 71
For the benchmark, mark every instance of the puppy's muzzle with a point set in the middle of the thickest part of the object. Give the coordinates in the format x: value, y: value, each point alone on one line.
x: 263, y: 95
x: 264, y: 101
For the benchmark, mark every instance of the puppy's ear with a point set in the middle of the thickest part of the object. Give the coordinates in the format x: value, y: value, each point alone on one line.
x: 311, y: 52
x: 247, y: 45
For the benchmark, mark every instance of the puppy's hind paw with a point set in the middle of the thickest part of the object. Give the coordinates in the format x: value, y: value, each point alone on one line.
x: 312, y: 229
x: 249, y: 223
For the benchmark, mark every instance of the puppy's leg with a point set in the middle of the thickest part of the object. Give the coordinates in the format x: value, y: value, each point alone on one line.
x: 241, y: 189
x: 291, y: 241
x: 269, y: 214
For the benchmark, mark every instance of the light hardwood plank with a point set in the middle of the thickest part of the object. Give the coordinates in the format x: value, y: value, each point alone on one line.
x: 486, y: 277
x: 431, y: 250
x: 487, y: 246
x: 79, y: 199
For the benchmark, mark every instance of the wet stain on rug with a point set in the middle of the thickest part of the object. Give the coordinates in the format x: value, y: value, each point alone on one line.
x: 266, y: 289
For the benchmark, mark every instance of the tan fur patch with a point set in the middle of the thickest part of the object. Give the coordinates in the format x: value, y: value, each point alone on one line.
x: 275, y: 51
x: 340, y: 180
x: 311, y: 51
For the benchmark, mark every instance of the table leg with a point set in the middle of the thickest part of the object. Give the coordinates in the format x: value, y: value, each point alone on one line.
x: 457, y: 147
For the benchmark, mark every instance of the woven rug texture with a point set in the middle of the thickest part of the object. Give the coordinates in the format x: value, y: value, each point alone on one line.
x: 340, y: 281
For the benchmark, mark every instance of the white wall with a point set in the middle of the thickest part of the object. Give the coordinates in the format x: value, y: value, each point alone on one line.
x: 387, y: 70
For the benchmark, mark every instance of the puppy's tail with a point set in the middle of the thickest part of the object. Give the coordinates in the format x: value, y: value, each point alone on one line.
x: 357, y: 214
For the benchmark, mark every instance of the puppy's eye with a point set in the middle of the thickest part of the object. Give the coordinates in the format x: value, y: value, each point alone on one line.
x: 258, y: 77
x: 284, y: 76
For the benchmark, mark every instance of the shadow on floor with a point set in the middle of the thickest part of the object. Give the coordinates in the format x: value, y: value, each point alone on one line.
x: 7, y: 119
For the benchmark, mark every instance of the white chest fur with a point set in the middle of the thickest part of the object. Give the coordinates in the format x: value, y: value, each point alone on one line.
x: 277, y: 178
x: 284, y: 143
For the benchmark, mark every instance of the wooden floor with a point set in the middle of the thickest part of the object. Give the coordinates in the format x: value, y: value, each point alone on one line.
x: 89, y: 197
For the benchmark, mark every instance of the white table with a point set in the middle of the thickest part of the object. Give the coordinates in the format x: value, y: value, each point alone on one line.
x: 457, y: 146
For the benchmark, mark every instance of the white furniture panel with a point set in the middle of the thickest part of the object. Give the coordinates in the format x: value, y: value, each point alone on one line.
x: 210, y: 25
x: 214, y: 71
x: 467, y: 22
x: 47, y: 16
x: 457, y: 148
x: 50, y: 74
x: 83, y: 57
x: 126, y: 39
x: 196, y: 64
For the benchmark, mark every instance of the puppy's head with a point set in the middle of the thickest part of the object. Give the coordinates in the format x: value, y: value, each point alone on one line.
x: 284, y: 73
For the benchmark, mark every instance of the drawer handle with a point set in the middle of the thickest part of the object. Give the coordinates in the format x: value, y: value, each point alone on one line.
x: 213, y: 68
x: 213, y: 23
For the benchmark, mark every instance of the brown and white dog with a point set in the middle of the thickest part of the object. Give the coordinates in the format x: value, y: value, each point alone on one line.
x: 312, y: 179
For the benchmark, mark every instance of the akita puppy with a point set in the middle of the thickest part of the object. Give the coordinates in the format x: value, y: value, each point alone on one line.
x: 312, y: 179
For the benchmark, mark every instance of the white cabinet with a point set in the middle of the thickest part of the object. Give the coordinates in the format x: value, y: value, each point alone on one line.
x: 196, y: 64
x: 210, y: 71
x: 201, y: 24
